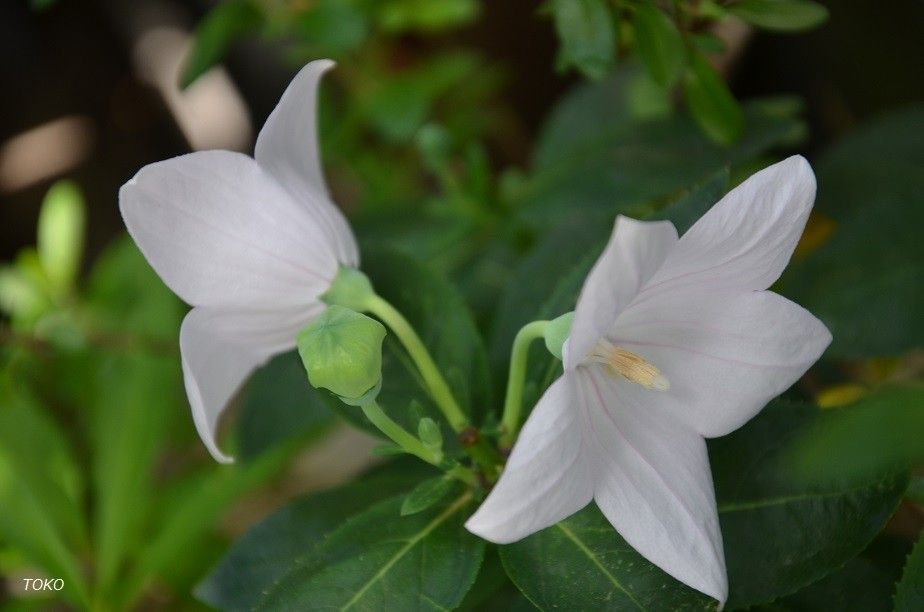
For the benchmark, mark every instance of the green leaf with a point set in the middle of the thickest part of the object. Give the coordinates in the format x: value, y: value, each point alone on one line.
x: 781, y: 534
x: 711, y: 103
x: 659, y: 44
x: 280, y: 405
x: 379, y: 560
x: 273, y: 546
x: 426, y: 15
x: 429, y: 433
x: 442, y: 319
x: 583, y: 564
x: 226, y: 23
x: 880, y: 433
x: 781, y: 15
x: 859, y: 586
x: 40, y: 489
x: 426, y: 494
x: 864, y: 282
x: 909, y: 592
x: 592, y: 155
x: 587, y: 34
x: 333, y: 27
x: 60, y: 234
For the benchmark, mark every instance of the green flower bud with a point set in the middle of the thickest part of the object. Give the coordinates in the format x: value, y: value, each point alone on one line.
x: 342, y: 352
x: 556, y: 332
x: 351, y: 289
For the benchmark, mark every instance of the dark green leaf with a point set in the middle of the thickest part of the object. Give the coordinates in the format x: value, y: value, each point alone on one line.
x: 587, y: 34
x: 781, y: 15
x: 711, y: 103
x: 444, y: 323
x: 270, y: 548
x: 426, y: 494
x: 909, y: 592
x: 881, y: 433
x: 280, y: 405
x: 859, y: 586
x: 333, y: 27
x: 592, y: 155
x: 659, y: 44
x: 379, y: 560
x: 582, y: 564
x: 864, y: 282
x: 225, y: 24
x: 781, y: 534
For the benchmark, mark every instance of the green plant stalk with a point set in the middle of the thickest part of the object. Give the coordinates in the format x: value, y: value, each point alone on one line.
x: 513, y: 402
x: 436, y: 384
x: 410, y: 443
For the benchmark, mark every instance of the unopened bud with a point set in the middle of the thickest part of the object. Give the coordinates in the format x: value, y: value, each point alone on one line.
x: 342, y: 352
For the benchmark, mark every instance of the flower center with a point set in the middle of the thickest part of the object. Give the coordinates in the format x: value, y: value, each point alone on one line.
x: 617, y: 361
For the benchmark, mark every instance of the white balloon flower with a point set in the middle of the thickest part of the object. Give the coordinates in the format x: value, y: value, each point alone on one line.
x: 250, y: 243
x: 674, y: 340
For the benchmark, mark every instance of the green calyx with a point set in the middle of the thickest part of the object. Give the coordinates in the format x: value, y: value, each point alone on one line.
x: 351, y: 289
x: 556, y: 332
x: 342, y: 351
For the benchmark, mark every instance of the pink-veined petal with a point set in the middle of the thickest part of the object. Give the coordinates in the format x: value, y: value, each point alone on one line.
x: 747, y: 238
x: 634, y: 253
x: 725, y: 353
x: 654, y: 484
x: 287, y: 148
x: 547, y: 477
x: 220, y: 348
x: 222, y: 232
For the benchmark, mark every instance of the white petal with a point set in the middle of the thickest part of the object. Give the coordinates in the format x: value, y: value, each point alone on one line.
x: 746, y: 240
x: 725, y: 353
x: 287, y: 148
x: 634, y: 253
x: 222, y: 232
x: 655, y: 486
x: 220, y: 348
x: 546, y: 478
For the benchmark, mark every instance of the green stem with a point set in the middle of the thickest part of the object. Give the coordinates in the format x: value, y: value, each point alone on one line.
x: 435, y: 382
x: 410, y: 443
x: 513, y: 402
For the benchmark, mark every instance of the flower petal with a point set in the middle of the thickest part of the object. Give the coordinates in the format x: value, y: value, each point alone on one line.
x: 220, y: 348
x: 655, y: 486
x: 746, y: 240
x: 546, y: 479
x: 287, y: 148
x: 725, y: 353
x: 221, y: 232
x: 634, y: 253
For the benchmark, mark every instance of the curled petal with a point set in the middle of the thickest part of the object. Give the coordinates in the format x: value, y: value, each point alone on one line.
x: 547, y: 477
x: 725, y: 353
x: 746, y: 240
x: 654, y: 485
x: 220, y: 348
x: 634, y: 253
x: 221, y: 232
x: 287, y: 148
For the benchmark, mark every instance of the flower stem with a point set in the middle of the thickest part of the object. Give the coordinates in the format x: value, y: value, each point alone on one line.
x: 410, y: 443
x: 434, y: 380
x: 513, y: 402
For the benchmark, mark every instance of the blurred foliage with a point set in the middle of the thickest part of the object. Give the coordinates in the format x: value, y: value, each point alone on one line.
x: 97, y: 486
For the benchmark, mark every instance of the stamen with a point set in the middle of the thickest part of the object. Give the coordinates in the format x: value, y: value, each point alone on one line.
x: 634, y: 368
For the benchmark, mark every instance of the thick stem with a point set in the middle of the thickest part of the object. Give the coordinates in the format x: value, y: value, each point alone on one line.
x: 513, y: 402
x: 435, y: 382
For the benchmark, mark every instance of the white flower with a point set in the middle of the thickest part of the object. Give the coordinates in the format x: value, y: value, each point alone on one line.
x: 673, y: 341
x: 250, y: 243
